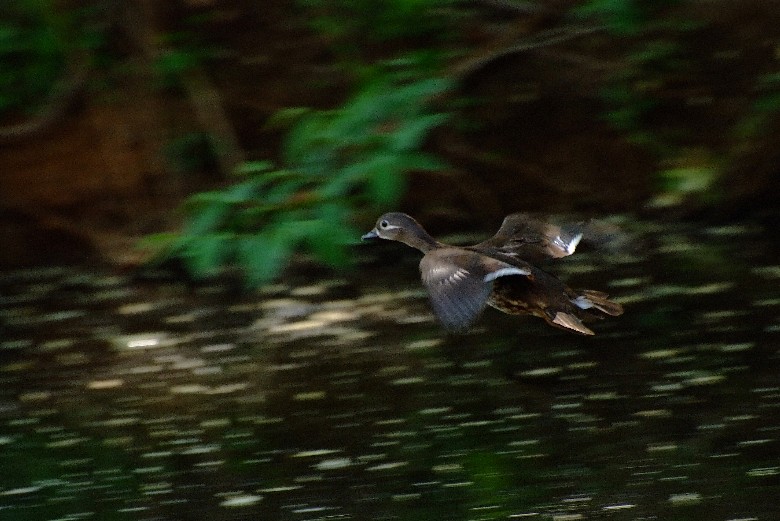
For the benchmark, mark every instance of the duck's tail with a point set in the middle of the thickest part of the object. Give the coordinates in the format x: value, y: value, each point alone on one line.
x: 590, y: 298
x: 587, y: 304
x: 568, y: 321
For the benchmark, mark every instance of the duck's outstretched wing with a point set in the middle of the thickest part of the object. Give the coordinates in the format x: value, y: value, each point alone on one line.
x: 459, y: 283
x: 522, y: 236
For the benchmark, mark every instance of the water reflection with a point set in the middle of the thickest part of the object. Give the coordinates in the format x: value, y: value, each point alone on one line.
x: 342, y: 400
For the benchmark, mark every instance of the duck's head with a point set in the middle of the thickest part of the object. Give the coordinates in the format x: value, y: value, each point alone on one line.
x: 397, y: 226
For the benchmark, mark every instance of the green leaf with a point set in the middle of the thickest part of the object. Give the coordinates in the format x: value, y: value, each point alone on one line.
x: 205, y: 254
x: 263, y: 255
x: 412, y: 133
x: 252, y: 168
x: 243, y: 192
x: 171, y: 65
x: 281, y: 193
x: 687, y: 180
x: 624, y: 16
x: 387, y: 184
x: 411, y: 99
x: 345, y: 179
x: 327, y: 244
x: 334, y: 161
x: 163, y: 240
x: 369, y: 108
x: 211, y: 198
x: 309, y: 146
x: 286, y: 118
x: 329, y: 235
x: 378, y: 173
x: 421, y: 161
x: 208, y: 217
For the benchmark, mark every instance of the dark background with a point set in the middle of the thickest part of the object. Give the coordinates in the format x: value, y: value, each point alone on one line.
x: 113, y: 113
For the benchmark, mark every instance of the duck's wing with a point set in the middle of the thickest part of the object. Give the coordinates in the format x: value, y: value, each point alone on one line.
x: 459, y: 283
x: 525, y: 237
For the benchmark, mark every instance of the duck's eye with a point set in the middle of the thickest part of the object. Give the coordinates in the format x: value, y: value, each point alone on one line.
x: 384, y: 224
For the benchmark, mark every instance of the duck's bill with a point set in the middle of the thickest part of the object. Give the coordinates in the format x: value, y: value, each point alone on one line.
x: 370, y: 235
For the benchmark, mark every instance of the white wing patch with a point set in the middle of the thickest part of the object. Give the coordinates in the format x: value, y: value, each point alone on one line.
x: 504, y: 272
x: 446, y: 275
x: 582, y: 302
x: 457, y: 276
x: 570, y: 246
x: 457, y: 296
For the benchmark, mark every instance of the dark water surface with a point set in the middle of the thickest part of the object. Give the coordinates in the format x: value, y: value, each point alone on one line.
x: 341, y: 399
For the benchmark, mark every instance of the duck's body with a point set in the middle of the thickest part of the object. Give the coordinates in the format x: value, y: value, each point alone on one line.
x: 497, y: 272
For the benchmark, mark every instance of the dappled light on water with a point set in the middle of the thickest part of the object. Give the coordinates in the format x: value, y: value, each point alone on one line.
x: 342, y: 399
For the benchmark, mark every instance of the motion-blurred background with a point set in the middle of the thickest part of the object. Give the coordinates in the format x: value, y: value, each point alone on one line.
x: 218, y: 129
x: 236, y: 150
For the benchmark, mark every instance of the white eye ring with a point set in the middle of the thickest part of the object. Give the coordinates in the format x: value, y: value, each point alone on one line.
x: 384, y: 224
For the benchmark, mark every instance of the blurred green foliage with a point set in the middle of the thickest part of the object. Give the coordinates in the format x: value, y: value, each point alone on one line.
x: 368, y: 143
x: 379, y: 20
x: 633, y: 93
x: 182, y: 51
x: 171, y: 65
x: 32, y: 53
x: 765, y: 107
x: 336, y: 162
x: 46, y: 47
x: 654, y: 56
x: 685, y: 182
x: 626, y: 17
x: 660, y: 63
x: 411, y: 37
